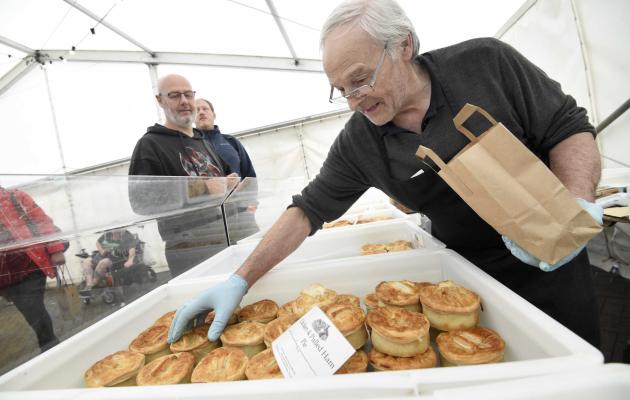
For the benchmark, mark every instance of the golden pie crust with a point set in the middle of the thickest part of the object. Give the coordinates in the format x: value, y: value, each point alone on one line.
x: 319, y: 293
x: 233, y: 318
x: 350, y: 320
x: 244, y: 333
x: 166, y: 319
x: 366, y: 220
x: 476, y: 345
x: 277, y: 327
x: 371, y: 301
x: 150, y: 341
x: 397, y: 324
x: 449, y: 306
x: 195, y: 341
x: 448, y: 297
x: 296, y: 308
x: 398, y: 293
x: 260, y: 311
x: 373, y: 248
x: 222, y: 364
x: 337, y: 224
x: 348, y: 299
x: 263, y: 366
x: 170, y: 369
x: 385, y: 362
x: 114, y: 369
x: 358, y: 362
x: 399, y: 245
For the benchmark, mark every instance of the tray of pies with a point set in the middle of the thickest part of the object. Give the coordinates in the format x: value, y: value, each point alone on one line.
x: 366, y: 239
x: 352, y: 220
x: 417, y: 314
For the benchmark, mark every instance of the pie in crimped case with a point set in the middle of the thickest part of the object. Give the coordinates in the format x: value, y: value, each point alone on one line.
x: 222, y: 364
x: 166, y: 319
x: 171, y: 369
x: 404, y: 293
x: 470, y: 346
x: 319, y: 293
x: 372, y: 301
x: 196, y: 342
x: 358, y: 362
x: 373, y: 248
x: 385, y: 362
x: 263, y: 366
x: 398, y: 332
x: 450, y: 306
x: 117, y: 369
x: 350, y: 320
x: 246, y: 335
x: 151, y: 342
x: 261, y: 311
x: 277, y: 327
x: 233, y: 318
x: 348, y: 299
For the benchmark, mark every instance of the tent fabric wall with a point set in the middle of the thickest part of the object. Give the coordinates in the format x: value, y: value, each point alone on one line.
x: 583, y: 45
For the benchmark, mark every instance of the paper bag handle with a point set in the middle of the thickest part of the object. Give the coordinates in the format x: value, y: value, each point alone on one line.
x: 464, y: 114
x: 424, y: 152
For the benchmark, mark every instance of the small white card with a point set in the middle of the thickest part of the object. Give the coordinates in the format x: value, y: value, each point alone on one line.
x: 313, y: 346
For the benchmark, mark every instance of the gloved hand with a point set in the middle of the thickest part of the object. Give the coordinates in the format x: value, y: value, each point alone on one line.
x: 596, y: 211
x: 223, y: 298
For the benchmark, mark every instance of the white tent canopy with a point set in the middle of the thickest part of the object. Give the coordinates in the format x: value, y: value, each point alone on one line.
x: 258, y: 61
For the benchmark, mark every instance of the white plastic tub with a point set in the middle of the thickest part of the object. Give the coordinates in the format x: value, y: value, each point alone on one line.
x: 610, y: 382
x: 337, y: 243
x: 536, y: 344
x: 389, y: 211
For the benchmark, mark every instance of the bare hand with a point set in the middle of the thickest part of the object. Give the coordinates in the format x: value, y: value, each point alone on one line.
x: 128, y: 263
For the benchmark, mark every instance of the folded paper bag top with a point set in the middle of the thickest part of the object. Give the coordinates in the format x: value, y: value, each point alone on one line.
x: 514, y: 192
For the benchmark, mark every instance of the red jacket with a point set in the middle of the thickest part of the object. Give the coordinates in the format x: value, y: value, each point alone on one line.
x: 11, y: 220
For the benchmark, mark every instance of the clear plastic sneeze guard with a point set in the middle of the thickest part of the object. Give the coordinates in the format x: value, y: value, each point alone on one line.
x: 75, y: 248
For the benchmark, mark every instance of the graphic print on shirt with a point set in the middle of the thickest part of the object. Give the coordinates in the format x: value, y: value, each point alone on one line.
x: 195, y: 161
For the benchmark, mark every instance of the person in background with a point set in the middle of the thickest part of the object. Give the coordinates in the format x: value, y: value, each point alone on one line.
x: 178, y: 149
x: 227, y: 147
x: 402, y: 99
x: 23, y: 271
x: 112, y: 247
x: 241, y: 221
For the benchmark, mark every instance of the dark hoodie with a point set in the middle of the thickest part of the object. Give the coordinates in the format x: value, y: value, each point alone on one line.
x: 166, y: 152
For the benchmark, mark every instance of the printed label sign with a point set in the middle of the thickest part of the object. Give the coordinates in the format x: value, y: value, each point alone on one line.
x: 313, y: 346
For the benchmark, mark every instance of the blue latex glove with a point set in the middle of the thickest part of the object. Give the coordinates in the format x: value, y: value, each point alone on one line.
x: 596, y: 211
x: 223, y: 298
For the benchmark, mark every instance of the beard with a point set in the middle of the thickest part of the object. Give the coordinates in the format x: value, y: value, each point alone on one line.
x: 179, y: 120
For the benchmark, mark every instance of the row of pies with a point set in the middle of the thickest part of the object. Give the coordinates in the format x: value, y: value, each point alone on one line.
x: 400, y: 317
x: 362, y: 220
x: 379, y: 248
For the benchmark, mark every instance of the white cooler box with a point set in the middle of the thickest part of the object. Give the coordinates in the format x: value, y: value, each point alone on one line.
x: 337, y: 243
x: 535, y: 344
x: 609, y: 382
x: 392, y: 213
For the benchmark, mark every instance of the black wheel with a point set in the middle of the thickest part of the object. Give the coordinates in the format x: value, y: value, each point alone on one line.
x: 85, y: 300
x: 108, y: 297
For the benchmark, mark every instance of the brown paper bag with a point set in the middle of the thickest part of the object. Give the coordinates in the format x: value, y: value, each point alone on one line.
x: 514, y: 192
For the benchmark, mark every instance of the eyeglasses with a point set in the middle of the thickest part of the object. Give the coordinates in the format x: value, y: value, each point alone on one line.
x: 189, y: 95
x: 361, y: 91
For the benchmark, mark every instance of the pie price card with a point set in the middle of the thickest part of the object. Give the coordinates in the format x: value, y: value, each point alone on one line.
x: 313, y: 346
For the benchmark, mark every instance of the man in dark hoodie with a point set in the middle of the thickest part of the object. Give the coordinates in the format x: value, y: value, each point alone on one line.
x: 177, y: 149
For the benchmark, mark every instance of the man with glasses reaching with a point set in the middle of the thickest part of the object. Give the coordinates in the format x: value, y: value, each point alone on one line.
x: 403, y: 99
x: 178, y: 149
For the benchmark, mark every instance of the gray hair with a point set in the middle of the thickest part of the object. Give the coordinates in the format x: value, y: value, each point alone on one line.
x: 383, y: 20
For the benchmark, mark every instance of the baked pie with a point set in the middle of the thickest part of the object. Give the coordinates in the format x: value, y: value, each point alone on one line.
x: 470, y: 346
x: 118, y: 369
x: 404, y: 294
x: 222, y: 364
x: 261, y: 311
x: 449, y: 306
x: 385, y: 362
x: 170, y: 369
x: 151, y: 342
x: 246, y: 335
x: 263, y: 366
x: 398, y: 332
